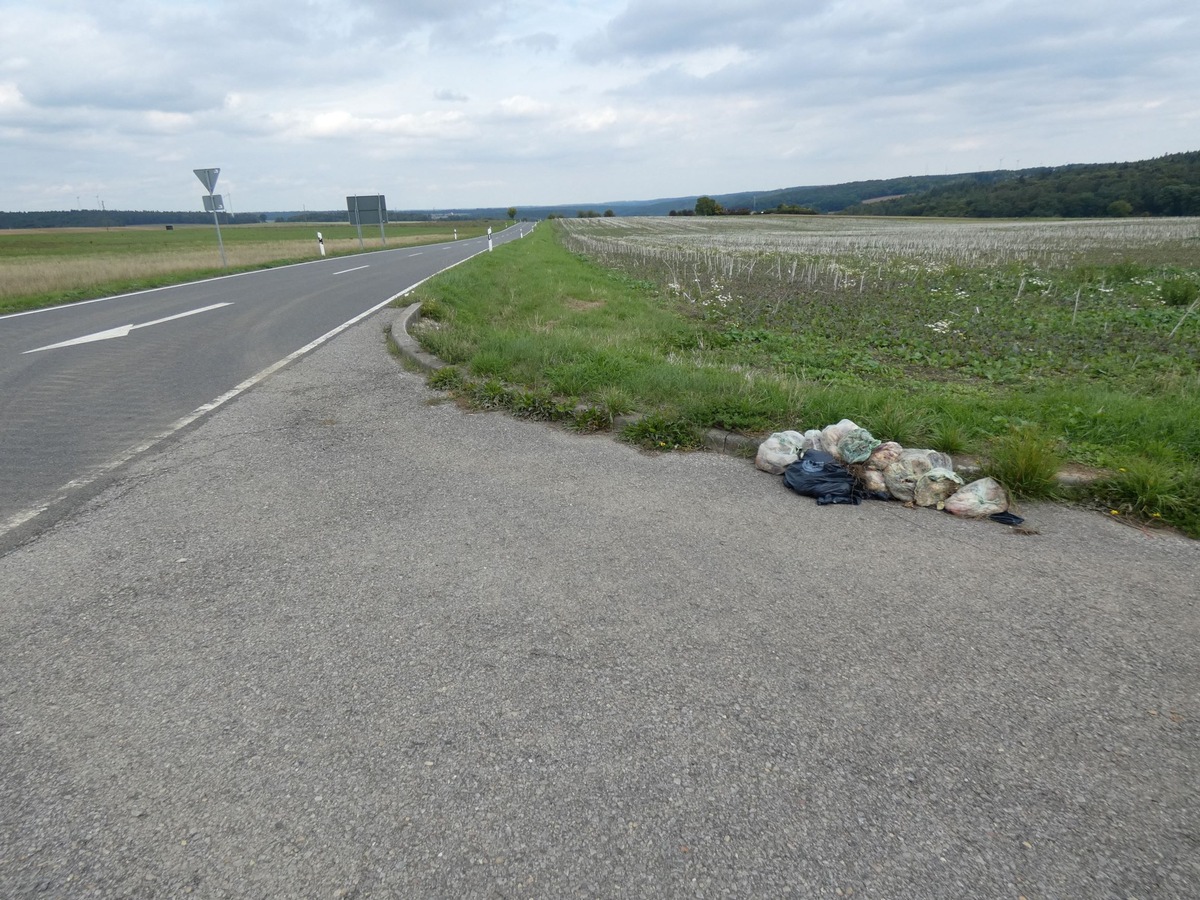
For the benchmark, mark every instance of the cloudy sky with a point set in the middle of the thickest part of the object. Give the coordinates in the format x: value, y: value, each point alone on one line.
x: 457, y: 103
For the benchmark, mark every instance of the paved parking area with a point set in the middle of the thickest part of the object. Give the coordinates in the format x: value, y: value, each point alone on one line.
x: 344, y: 639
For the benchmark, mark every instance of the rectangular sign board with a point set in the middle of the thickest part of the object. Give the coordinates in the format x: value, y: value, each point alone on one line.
x: 214, y: 203
x: 369, y: 209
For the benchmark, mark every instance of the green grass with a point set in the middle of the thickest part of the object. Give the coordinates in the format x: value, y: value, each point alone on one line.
x: 1026, y: 461
x: 1025, y: 392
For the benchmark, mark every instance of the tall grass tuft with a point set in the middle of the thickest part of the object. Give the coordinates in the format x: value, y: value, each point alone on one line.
x: 949, y: 436
x: 1153, y: 489
x: 900, y: 421
x: 1027, y: 462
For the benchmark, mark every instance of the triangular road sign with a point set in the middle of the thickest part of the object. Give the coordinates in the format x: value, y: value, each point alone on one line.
x: 208, y: 178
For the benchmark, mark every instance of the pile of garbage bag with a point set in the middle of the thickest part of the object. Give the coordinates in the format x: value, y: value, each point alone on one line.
x: 843, y: 463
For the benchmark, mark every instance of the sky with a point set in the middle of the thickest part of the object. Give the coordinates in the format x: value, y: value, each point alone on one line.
x: 442, y: 104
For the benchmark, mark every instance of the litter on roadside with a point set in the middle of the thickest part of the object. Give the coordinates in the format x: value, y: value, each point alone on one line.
x: 843, y: 463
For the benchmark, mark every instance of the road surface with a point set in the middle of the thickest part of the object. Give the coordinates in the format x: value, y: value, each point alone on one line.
x: 84, y: 387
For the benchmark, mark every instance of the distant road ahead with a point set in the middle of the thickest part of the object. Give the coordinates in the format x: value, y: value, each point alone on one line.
x: 84, y: 386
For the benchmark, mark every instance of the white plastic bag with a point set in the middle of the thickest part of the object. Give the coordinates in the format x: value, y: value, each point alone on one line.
x: 902, y: 475
x: 936, y: 486
x: 885, y: 454
x: 779, y: 451
x: 978, y: 499
x: 872, y: 480
x: 832, y: 435
x: 813, y: 440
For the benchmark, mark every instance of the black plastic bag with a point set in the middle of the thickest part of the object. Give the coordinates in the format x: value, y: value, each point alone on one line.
x: 817, y: 474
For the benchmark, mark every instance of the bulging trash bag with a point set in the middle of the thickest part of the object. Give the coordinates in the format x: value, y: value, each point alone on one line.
x: 832, y: 435
x: 817, y: 474
x: 979, y: 499
x: 940, y: 460
x: 779, y: 451
x: 856, y: 446
x: 884, y: 455
x: 813, y: 440
x: 935, y: 486
x: 902, y: 475
x: 872, y: 481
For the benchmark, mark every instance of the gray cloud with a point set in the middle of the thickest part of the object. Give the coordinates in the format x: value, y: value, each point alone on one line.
x: 541, y: 42
x: 523, y: 101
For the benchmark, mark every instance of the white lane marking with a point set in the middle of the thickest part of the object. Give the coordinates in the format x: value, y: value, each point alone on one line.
x: 26, y: 515
x: 411, y: 255
x: 123, y: 330
x: 355, y: 269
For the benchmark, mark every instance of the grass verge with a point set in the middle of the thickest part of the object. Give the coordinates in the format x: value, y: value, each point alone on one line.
x: 565, y: 333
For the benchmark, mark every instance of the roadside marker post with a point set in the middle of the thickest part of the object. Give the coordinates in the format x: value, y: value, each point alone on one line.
x: 489, y: 239
x: 321, y: 243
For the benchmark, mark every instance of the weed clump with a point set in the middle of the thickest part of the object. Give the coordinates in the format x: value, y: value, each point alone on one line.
x: 1026, y: 461
x: 434, y: 311
x: 447, y: 378
x: 1152, y: 490
x: 661, y: 432
x: 1179, y: 291
x: 538, y: 405
x: 592, y: 419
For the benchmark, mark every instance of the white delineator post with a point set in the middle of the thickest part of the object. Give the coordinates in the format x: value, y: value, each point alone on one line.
x: 489, y: 239
x: 321, y: 243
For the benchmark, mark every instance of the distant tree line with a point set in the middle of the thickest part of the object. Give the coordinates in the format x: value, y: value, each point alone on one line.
x: 1165, y: 186
x: 583, y: 214
x: 707, y: 206
x: 341, y: 215
x: 115, y: 218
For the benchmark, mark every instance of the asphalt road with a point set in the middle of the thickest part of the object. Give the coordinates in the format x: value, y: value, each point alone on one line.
x: 343, y: 639
x: 69, y: 413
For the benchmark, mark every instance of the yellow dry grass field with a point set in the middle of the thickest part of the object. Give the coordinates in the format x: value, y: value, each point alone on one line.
x: 24, y: 276
x: 45, y: 266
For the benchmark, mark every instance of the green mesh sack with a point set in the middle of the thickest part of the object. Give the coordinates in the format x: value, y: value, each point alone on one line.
x: 857, y: 446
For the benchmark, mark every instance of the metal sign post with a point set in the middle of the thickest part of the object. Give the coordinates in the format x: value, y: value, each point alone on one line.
x: 213, y: 203
x: 358, y: 224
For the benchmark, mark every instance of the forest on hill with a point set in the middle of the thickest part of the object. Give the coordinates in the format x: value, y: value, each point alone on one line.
x: 1164, y: 186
